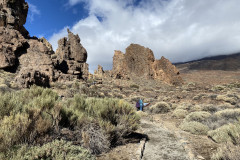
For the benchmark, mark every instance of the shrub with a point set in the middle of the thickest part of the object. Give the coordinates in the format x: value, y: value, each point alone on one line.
x: 185, y: 106
x: 194, y: 127
x: 95, y: 139
x: 196, y: 108
x: 226, y: 133
x: 13, y: 130
x: 54, y: 150
x: 161, y: 107
x: 197, y: 116
x: 134, y: 86
x: 180, y: 113
x: 8, y: 103
x: 26, y: 115
x: 115, y: 117
x: 142, y: 114
x: 227, y: 152
x: 136, y: 98
x: 210, y: 108
x: 225, y: 98
x: 229, y: 114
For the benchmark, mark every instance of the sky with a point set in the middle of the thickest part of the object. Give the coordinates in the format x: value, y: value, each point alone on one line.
x: 180, y: 30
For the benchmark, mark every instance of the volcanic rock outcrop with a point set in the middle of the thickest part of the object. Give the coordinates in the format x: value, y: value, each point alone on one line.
x: 33, y: 59
x: 71, y: 58
x: 36, y: 66
x: 13, y: 15
x: 99, y: 72
x: 12, y: 43
x: 139, y: 61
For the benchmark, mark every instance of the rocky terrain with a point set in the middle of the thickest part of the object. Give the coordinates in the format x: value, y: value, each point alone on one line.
x: 193, y: 110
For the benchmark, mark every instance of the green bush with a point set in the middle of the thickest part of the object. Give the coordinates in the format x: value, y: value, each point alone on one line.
x: 197, y: 116
x: 210, y: 108
x: 59, y: 150
x: 227, y: 152
x: 229, y: 113
x: 116, y: 117
x: 194, y: 127
x: 26, y: 115
x: 226, y: 98
x: 13, y: 130
x: 134, y: 86
x: 160, y: 107
x: 180, y: 113
x: 226, y: 133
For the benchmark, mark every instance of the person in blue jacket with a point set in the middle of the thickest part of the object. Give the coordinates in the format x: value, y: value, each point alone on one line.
x: 141, y: 104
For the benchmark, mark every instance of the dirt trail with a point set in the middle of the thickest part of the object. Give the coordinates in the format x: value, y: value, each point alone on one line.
x: 163, y: 144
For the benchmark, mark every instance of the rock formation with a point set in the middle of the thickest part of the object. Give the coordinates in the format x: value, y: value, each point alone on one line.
x: 71, y: 58
x: 12, y: 43
x: 13, y: 15
x: 36, y: 66
x: 139, y: 61
x: 33, y: 59
x: 71, y: 48
x: 99, y: 72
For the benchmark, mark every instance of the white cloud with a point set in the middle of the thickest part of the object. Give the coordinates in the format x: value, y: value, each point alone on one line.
x: 33, y: 10
x: 180, y: 30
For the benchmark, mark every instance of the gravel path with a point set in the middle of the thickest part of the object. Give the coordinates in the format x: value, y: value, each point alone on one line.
x: 162, y: 144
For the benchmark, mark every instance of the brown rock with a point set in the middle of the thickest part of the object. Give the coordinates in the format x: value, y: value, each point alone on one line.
x: 71, y: 58
x: 99, y: 72
x: 119, y: 65
x: 47, y: 44
x: 36, y: 66
x: 140, y: 62
x: 12, y: 44
x: 13, y: 14
x: 71, y: 48
x: 33, y: 59
x: 164, y: 70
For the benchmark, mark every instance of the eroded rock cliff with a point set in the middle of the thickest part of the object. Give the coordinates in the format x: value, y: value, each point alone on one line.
x: 31, y: 58
x: 139, y: 61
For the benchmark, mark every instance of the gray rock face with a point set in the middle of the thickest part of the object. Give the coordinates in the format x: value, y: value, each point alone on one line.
x: 13, y: 14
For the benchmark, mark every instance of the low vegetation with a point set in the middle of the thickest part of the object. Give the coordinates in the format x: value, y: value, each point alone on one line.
x: 54, y: 150
x: 32, y: 119
x: 194, y: 127
x: 160, y: 107
x: 180, y: 113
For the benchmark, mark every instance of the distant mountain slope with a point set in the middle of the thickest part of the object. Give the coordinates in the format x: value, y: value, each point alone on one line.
x: 223, y: 62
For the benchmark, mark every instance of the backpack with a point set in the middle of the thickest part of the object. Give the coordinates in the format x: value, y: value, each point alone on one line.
x: 137, y: 104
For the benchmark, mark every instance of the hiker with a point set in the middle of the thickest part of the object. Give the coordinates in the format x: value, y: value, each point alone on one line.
x: 141, y: 104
